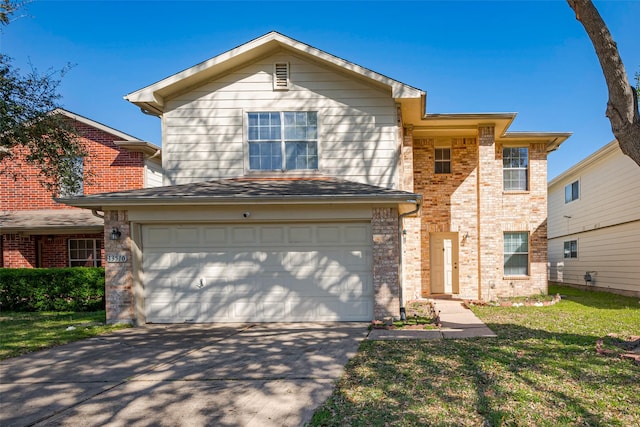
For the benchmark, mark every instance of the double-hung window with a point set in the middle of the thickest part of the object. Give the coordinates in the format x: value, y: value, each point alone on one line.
x: 571, y: 192
x: 286, y: 140
x: 516, y: 254
x: 515, y: 168
x: 571, y: 249
x: 442, y: 160
x: 85, y: 253
x: 72, y: 183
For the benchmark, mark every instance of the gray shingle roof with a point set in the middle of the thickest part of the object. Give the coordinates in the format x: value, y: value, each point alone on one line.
x: 248, y: 190
x: 50, y: 220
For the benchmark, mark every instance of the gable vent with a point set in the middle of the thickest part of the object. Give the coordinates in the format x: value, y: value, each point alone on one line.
x: 281, y: 76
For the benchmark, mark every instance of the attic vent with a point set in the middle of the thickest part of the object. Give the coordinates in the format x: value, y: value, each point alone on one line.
x: 281, y: 76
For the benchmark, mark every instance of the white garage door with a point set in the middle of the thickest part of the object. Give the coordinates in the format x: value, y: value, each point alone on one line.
x: 264, y: 273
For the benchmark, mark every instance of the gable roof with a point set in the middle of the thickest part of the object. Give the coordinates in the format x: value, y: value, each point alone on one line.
x: 127, y: 141
x: 151, y: 98
x: 251, y: 190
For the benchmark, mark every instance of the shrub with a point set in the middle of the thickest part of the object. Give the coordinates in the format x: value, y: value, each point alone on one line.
x: 52, y: 289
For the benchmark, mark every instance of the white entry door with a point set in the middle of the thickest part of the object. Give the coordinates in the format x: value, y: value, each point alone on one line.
x: 264, y: 273
x: 444, y: 263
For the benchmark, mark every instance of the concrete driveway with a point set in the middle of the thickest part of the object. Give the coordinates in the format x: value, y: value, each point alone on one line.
x: 181, y: 375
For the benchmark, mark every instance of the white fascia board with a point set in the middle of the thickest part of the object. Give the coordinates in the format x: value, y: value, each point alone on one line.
x: 152, y: 96
x: 97, y: 125
x: 611, y: 147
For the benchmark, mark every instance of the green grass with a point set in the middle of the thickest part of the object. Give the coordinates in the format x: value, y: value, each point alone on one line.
x: 22, y: 333
x: 541, y: 370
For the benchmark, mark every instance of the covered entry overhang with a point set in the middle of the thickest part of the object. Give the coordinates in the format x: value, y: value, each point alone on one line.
x: 258, y: 249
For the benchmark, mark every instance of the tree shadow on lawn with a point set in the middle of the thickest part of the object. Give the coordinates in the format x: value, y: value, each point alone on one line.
x: 534, y: 377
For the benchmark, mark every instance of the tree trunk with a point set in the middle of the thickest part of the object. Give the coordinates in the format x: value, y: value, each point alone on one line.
x: 622, y: 106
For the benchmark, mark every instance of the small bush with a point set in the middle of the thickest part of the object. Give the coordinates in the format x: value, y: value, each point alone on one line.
x: 52, y: 289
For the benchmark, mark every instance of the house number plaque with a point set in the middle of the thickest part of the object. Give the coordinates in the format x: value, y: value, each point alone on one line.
x: 116, y: 258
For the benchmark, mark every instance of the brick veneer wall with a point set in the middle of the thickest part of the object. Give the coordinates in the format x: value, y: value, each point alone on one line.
x: 20, y: 251
x: 119, y: 294
x: 386, y: 250
x: 470, y: 201
x: 108, y: 168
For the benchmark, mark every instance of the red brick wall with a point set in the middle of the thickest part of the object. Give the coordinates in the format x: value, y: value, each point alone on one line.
x: 108, y: 168
x: 20, y: 251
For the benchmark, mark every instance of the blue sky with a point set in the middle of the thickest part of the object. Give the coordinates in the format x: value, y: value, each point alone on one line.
x: 529, y: 57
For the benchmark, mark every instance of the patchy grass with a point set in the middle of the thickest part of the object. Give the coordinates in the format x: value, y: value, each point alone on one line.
x: 541, y: 370
x: 27, y: 332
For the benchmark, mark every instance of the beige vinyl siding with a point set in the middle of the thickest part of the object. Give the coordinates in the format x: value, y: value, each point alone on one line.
x: 152, y: 173
x: 612, y: 253
x: 609, y: 195
x: 604, y: 220
x: 204, y: 129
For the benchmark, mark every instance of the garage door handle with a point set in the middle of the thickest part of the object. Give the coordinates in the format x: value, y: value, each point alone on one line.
x: 202, y: 283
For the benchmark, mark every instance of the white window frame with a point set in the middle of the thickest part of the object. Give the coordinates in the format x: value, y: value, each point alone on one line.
x: 569, y: 197
x: 77, y: 168
x: 569, y: 253
x: 95, y: 252
x: 282, y: 141
x: 506, y: 169
x: 517, y: 253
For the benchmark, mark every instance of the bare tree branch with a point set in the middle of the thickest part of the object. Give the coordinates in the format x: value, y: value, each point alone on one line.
x: 622, y: 106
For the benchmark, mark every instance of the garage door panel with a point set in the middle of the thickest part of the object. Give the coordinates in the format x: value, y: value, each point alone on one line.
x: 268, y: 272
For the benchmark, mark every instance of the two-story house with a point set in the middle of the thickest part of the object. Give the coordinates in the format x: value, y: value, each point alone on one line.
x: 594, y: 223
x: 301, y: 186
x: 35, y: 231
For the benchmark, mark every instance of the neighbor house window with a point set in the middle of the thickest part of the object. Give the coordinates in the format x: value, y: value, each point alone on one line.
x: 571, y: 192
x: 516, y: 254
x: 571, y: 249
x: 84, y: 253
x: 283, y: 140
x: 443, y: 160
x: 515, y: 168
x: 72, y: 184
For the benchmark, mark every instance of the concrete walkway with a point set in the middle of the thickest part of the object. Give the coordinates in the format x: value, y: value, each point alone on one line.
x: 456, y: 320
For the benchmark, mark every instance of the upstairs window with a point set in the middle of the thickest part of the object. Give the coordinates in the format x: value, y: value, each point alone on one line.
x: 443, y: 160
x: 283, y: 140
x: 516, y: 254
x: 73, y: 183
x: 572, y: 192
x: 515, y: 168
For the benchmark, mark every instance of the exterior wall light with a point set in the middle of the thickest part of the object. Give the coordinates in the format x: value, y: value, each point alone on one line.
x: 115, y: 234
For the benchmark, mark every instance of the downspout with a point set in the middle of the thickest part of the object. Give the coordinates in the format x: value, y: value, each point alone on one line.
x: 95, y: 213
x: 401, y: 234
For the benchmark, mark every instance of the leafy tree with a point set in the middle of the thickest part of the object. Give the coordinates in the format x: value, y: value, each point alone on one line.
x: 622, y: 107
x: 31, y: 133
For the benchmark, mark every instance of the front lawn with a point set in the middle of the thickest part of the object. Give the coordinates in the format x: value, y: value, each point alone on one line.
x: 22, y: 332
x: 542, y: 370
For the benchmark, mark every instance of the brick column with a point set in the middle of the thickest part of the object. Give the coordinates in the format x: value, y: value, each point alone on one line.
x: 489, y: 204
x: 386, y: 250
x: 118, y: 271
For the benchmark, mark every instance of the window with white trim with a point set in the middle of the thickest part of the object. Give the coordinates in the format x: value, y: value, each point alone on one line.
x: 85, y: 253
x: 516, y: 253
x: 571, y: 249
x: 571, y: 192
x: 286, y: 140
x: 442, y: 157
x: 515, y: 168
x: 72, y: 184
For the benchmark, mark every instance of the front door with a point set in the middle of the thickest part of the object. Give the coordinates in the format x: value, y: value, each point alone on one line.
x: 444, y: 263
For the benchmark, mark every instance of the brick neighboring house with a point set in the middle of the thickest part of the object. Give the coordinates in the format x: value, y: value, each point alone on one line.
x: 36, y: 231
x: 301, y: 186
